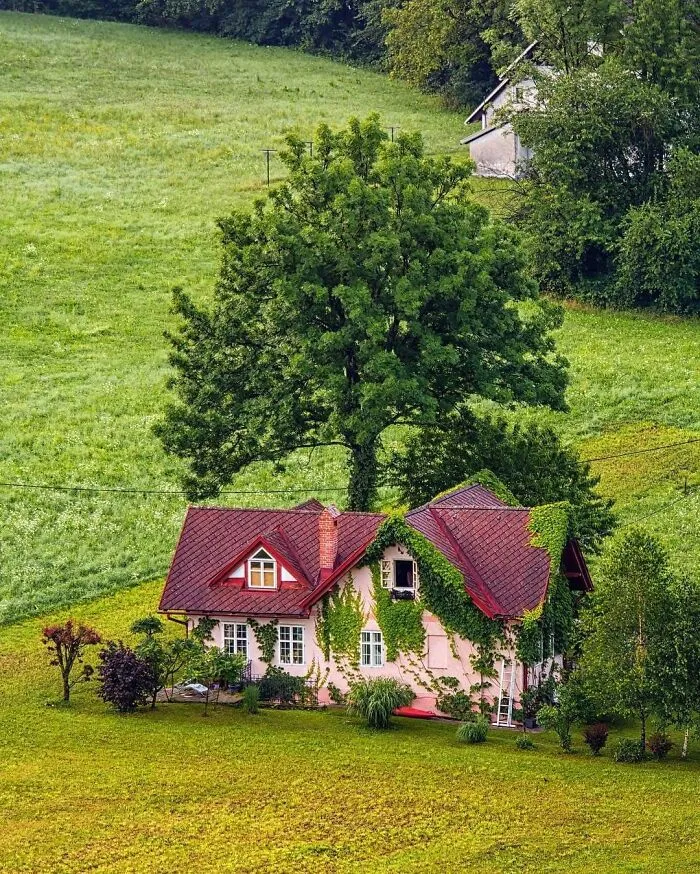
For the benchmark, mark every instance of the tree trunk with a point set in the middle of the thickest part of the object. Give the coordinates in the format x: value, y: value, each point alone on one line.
x: 643, y: 739
x: 66, y: 688
x: 362, y: 488
x: 684, y: 750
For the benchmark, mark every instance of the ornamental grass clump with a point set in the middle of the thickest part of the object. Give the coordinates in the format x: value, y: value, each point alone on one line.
x: 251, y: 698
x: 375, y: 700
x: 474, y: 732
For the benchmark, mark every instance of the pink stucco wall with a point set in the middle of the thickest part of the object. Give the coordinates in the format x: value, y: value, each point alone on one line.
x: 442, y: 657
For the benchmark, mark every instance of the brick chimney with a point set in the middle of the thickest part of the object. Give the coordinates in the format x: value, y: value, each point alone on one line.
x: 327, y: 540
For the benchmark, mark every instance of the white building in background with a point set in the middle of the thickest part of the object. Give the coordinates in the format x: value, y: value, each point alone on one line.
x: 496, y: 149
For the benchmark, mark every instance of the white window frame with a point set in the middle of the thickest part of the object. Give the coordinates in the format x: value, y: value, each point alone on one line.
x: 287, y: 637
x: 387, y: 568
x: 371, y: 648
x: 235, y: 634
x: 259, y: 561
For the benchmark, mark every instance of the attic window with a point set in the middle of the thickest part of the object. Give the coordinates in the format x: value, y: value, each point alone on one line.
x: 262, y: 571
x: 400, y: 574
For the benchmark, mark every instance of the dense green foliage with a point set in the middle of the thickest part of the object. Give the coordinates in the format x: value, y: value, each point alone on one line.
x: 266, y: 636
x: 251, y: 698
x: 603, y: 132
x: 441, y: 584
x: 529, y: 458
x: 368, y: 290
x: 340, y: 621
x: 401, y: 622
x: 447, y: 45
x: 376, y: 699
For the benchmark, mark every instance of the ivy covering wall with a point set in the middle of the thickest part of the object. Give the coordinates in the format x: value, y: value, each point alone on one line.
x: 441, y: 585
x: 401, y: 622
x: 340, y: 621
x: 549, y: 526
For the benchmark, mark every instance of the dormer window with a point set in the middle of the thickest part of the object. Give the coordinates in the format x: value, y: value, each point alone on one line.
x: 401, y: 576
x: 262, y: 571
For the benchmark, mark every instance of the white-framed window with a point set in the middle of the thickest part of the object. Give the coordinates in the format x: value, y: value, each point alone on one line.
x: 236, y: 638
x: 371, y: 649
x: 400, y: 574
x: 291, y: 643
x: 262, y: 571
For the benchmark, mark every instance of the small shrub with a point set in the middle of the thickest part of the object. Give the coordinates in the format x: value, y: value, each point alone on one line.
x: 629, y: 750
x: 523, y: 742
x: 558, y: 720
x: 336, y: 696
x: 456, y: 704
x: 125, y: 678
x: 596, y: 736
x: 659, y: 745
x: 474, y: 732
x: 278, y: 685
x: 251, y: 698
x: 375, y: 700
x: 67, y: 644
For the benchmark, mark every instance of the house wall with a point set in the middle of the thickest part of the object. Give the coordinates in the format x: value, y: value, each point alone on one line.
x: 499, y: 153
x: 444, y: 656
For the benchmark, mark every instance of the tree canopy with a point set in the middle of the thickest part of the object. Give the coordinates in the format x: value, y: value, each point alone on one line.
x: 366, y: 291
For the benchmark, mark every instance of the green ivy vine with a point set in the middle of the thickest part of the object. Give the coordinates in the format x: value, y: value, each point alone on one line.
x: 550, y: 529
x: 266, y: 636
x: 341, y: 618
x: 401, y: 622
x: 441, y: 585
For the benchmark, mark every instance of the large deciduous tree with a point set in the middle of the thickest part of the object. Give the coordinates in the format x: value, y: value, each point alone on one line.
x: 366, y: 291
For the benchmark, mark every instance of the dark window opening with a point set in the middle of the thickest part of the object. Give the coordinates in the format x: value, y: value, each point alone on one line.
x: 403, y: 575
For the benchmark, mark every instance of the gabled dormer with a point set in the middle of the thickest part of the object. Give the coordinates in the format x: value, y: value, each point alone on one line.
x: 267, y: 564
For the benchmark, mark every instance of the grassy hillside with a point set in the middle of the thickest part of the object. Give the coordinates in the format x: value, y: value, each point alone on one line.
x: 120, y: 147
x: 85, y: 789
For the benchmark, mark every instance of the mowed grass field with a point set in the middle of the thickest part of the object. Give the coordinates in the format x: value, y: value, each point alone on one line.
x: 84, y: 789
x: 119, y: 149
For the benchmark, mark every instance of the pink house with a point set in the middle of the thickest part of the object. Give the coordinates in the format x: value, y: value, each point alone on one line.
x: 292, y: 568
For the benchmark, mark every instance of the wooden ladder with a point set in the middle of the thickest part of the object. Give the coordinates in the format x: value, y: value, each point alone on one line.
x: 504, y: 714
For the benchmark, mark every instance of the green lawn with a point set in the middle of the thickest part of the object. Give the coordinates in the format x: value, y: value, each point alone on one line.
x: 119, y: 148
x: 85, y: 789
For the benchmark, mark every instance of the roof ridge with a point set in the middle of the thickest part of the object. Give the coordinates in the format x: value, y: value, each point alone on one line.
x: 443, y: 496
x: 483, y: 509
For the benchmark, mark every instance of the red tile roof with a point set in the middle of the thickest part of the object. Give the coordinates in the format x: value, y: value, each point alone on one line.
x: 486, y: 540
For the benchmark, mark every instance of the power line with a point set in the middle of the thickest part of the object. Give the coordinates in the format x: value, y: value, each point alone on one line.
x: 690, y: 493
x: 180, y: 492
x: 642, y: 451
x: 172, y: 492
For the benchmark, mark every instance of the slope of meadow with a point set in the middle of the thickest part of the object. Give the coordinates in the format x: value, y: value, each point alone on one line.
x: 120, y: 147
